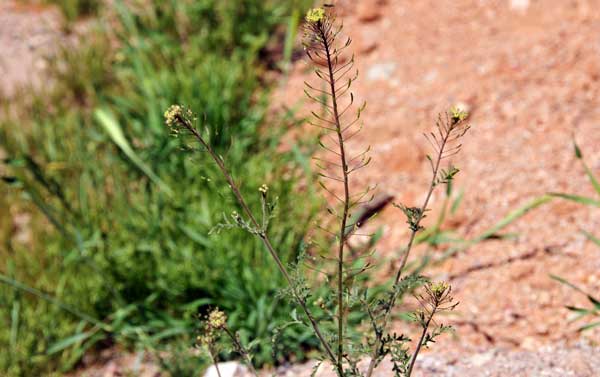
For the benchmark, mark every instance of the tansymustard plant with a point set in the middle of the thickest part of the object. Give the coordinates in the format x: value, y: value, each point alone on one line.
x: 214, y: 325
x: 340, y: 121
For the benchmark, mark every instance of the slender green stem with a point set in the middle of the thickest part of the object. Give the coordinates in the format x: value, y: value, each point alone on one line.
x: 263, y: 235
x: 404, y: 259
x: 214, y: 360
x: 342, y: 232
x: 241, y: 350
x: 413, y: 358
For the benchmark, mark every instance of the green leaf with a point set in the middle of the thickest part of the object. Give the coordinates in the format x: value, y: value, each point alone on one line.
x: 41, y: 295
x: 456, y: 202
x: 195, y: 236
x: 576, y: 198
x: 14, y: 323
x: 592, y: 178
x: 294, y: 315
x: 510, y: 218
x: 589, y: 326
x: 575, y: 309
x: 68, y: 342
x: 169, y: 333
x: 577, y: 150
x: 194, y: 305
x: 591, y: 237
x: 290, y: 37
x: 594, y: 301
x: 113, y: 128
x: 567, y: 283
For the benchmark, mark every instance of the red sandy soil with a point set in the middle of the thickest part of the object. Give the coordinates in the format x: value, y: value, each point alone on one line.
x: 529, y: 73
x: 27, y: 33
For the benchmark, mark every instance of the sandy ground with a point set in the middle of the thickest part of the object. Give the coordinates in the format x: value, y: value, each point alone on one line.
x: 27, y: 34
x: 529, y: 73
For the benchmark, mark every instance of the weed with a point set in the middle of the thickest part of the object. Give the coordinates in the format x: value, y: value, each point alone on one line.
x: 327, y: 316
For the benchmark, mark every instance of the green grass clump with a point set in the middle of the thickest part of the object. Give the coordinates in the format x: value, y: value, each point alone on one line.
x: 119, y: 251
x: 74, y: 9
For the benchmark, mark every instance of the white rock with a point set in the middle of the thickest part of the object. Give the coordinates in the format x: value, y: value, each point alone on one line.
x: 381, y: 71
x: 519, y: 5
x: 431, y: 76
x: 227, y: 369
x: 481, y: 358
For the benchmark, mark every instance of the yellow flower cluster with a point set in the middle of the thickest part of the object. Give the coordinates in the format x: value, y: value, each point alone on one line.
x: 439, y: 288
x: 458, y: 114
x: 172, y: 113
x: 217, y: 319
x: 175, y: 112
x: 315, y: 15
x: 263, y: 189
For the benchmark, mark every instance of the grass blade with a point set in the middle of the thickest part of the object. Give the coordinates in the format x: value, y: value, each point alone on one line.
x: 290, y: 38
x: 594, y: 301
x: 114, y: 130
x: 14, y: 323
x: 568, y: 283
x: 577, y: 199
x: 22, y: 287
x: 575, y: 309
x: 588, y: 171
x: 456, y: 202
x: 591, y: 237
x: 492, y: 232
x: 511, y: 217
x: 588, y: 326
x: 68, y: 342
x: 592, y: 178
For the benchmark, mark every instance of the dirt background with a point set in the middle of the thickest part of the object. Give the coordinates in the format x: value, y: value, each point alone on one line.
x: 27, y: 34
x: 529, y: 73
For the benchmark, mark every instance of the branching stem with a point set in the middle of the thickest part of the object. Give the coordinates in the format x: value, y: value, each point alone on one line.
x: 263, y: 235
x: 413, y: 358
x: 241, y: 350
x: 392, y: 301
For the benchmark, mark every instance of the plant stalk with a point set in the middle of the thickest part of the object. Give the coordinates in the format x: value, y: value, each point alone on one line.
x: 241, y: 350
x: 263, y: 236
x: 404, y: 259
x: 413, y: 358
x: 214, y: 361
x: 342, y: 232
